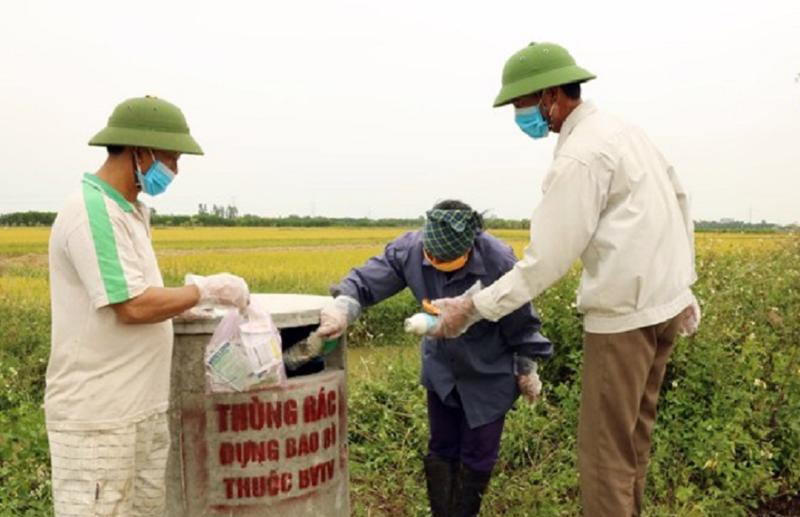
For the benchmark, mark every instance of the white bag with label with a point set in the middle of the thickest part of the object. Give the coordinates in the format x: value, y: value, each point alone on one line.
x: 244, y: 353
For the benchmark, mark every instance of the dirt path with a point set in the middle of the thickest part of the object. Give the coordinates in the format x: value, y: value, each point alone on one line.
x: 785, y: 506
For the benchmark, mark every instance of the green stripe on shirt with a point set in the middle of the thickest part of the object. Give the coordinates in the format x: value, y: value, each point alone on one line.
x: 105, y: 245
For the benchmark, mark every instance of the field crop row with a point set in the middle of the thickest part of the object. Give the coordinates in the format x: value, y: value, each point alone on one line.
x: 727, y: 438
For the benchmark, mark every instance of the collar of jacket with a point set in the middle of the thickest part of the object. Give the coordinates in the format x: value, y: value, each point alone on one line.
x: 583, y: 110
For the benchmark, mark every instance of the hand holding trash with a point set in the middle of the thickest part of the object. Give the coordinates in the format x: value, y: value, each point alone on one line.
x: 334, y: 318
x: 528, y: 380
x: 222, y: 288
x: 690, y: 319
x: 456, y: 314
x: 308, y: 349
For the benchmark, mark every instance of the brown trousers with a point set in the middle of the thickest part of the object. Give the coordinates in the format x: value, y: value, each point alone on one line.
x: 622, y: 375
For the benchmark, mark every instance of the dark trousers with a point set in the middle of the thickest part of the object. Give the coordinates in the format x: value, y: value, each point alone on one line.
x: 452, y: 439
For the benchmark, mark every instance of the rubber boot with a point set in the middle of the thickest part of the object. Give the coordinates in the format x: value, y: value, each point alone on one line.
x: 473, y: 486
x: 439, y: 476
x: 458, y: 489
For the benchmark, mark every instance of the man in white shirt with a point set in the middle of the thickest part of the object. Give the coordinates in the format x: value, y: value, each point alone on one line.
x: 108, y: 376
x: 611, y: 199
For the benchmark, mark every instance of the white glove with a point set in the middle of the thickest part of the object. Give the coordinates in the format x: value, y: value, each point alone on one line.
x: 690, y: 319
x: 221, y: 289
x: 334, y: 318
x: 527, y: 378
x: 456, y: 314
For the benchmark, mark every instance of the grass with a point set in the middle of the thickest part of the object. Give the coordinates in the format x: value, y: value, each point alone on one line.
x: 728, y: 432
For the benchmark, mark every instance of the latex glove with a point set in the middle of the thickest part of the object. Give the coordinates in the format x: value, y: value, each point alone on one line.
x: 690, y: 319
x: 221, y: 289
x: 200, y: 312
x: 456, y: 315
x: 528, y: 380
x: 334, y: 318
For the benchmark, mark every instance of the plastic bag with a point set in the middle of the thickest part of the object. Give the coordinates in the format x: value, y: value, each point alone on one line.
x: 310, y: 348
x: 244, y: 353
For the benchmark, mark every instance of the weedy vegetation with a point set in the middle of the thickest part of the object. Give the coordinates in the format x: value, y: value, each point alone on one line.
x: 728, y: 431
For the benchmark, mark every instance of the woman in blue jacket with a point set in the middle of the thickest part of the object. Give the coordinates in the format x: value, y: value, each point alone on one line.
x: 472, y: 380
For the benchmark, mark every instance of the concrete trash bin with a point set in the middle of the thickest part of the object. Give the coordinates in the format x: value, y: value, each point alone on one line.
x: 276, y: 451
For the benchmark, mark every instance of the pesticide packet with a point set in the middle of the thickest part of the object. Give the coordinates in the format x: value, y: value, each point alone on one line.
x: 261, y: 342
x: 229, y: 366
x: 244, y: 353
x: 307, y: 350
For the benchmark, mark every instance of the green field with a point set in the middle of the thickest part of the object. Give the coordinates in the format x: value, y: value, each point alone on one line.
x: 728, y: 433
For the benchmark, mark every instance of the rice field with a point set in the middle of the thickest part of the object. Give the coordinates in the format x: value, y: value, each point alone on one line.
x: 727, y: 438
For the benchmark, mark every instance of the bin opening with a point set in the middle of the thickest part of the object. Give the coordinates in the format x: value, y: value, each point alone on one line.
x: 292, y: 336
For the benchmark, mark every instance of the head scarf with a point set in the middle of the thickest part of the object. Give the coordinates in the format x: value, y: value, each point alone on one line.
x: 449, y: 234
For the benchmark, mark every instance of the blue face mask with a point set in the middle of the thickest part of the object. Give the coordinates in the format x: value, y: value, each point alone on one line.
x: 157, y: 178
x: 531, y: 121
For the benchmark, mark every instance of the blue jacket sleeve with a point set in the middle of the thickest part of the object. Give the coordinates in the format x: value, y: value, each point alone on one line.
x: 379, y: 278
x: 520, y: 330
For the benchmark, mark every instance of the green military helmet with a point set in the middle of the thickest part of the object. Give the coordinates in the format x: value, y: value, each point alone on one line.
x: 148, y: 122
x: 536, y: 67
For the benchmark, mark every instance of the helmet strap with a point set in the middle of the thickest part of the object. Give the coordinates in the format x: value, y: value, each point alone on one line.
x: 136, y: 169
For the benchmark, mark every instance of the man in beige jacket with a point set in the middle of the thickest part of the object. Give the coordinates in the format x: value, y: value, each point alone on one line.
x: 611, y: 199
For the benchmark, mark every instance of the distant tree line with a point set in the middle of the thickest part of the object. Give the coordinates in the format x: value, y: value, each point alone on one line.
x: 229, y: 216
x: 28, y: 219
x: 732, y: 225
x: 223, y: 212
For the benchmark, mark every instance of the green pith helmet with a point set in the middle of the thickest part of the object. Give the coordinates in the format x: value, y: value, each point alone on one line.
x: 148, y: 122
x: 536, y: 67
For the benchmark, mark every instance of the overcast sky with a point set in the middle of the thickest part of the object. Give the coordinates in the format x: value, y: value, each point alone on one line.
x: 377, y: 108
